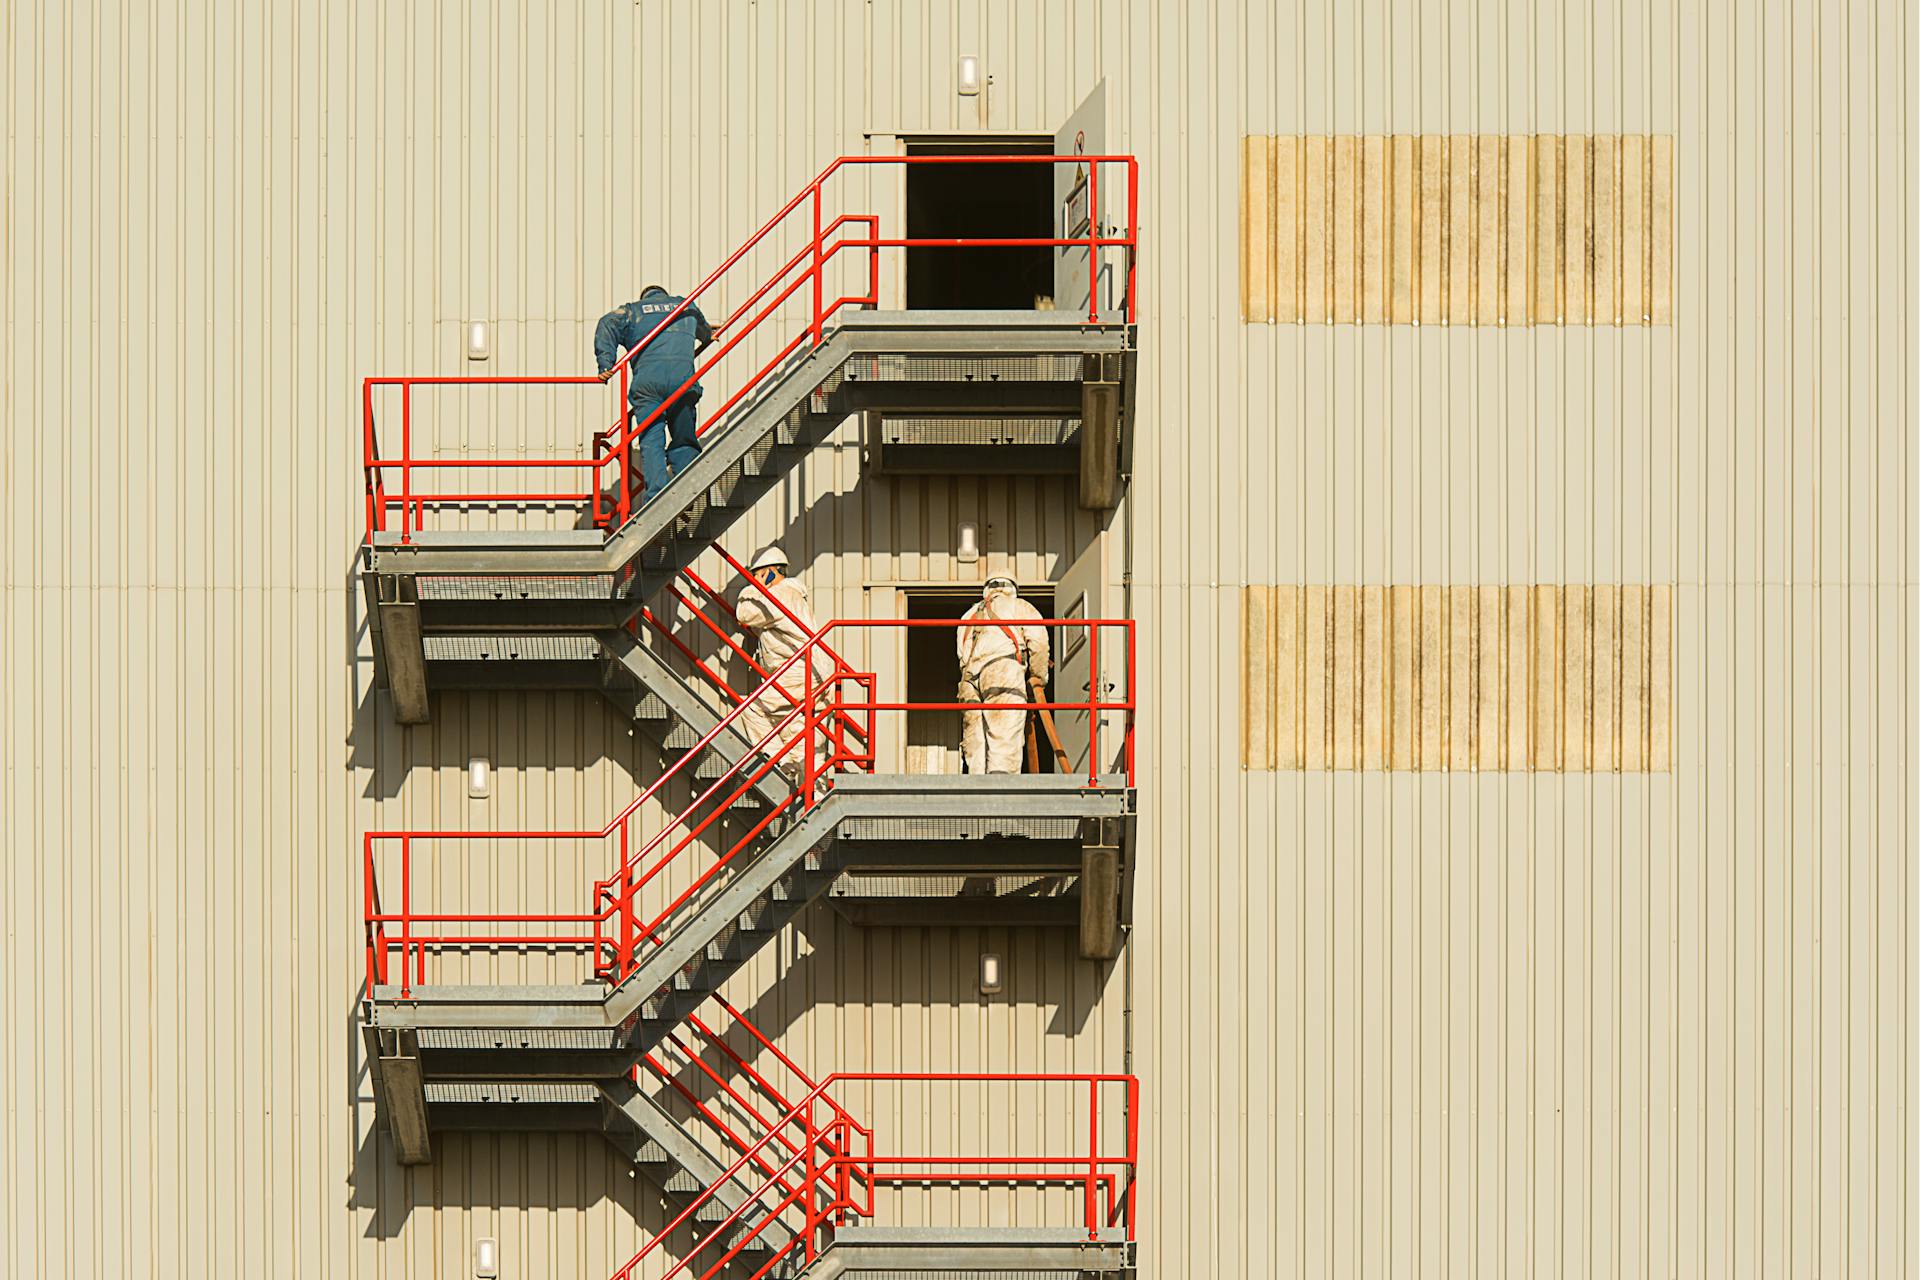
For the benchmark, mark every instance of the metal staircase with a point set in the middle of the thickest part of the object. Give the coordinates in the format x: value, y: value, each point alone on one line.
x: 762, y: 1180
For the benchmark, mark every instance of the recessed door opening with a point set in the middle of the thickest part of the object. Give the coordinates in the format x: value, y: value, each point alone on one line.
x: 933, y: 675
x: 972, y: 201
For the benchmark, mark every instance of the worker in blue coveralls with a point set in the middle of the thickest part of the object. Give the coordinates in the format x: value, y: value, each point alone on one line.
x: 670, y: 445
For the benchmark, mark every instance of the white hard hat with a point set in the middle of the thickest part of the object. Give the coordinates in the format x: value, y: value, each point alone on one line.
x: 1000, y: 579
x: 768, y: 557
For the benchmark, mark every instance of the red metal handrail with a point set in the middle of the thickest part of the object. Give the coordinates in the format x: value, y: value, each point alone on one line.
x: 612, y: 931
x: 1110, y: 1182
x: 823, y: 245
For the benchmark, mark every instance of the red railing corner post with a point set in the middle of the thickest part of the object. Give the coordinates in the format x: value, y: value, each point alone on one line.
x: 1133, y: 239
x: 1133, y: 1150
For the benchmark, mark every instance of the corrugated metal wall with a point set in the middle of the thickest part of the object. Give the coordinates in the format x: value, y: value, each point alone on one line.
x: 1386, y: 1022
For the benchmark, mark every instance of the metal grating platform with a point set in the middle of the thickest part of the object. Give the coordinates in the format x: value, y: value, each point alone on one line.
x: 518, y: 1038
x: 520, y: 648
x: 986, y: 888
x: 915, y: 430
x: 515, y: 1091
x: 984, y: 827
x: 597, y: 586
x: 1039, y: 367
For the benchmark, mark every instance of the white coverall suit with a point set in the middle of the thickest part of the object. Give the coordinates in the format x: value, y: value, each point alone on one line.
x: 996, y: 658
x: 778, y: 637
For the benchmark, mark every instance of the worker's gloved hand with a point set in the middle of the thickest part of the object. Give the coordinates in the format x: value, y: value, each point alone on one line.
x: 606, y: 376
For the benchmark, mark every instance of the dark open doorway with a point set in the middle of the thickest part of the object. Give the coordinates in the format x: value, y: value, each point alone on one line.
x: 933, y: 674
x: 997, y: 201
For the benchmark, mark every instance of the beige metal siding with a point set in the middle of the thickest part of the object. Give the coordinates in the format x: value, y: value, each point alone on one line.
x: 1417, y: 1024
x: 1461, y: 679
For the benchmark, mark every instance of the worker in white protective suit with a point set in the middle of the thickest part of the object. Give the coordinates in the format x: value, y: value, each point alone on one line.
x: 777, y: 634
x: 1000, y: 659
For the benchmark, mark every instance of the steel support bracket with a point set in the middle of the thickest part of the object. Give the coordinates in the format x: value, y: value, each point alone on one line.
x: 399, y: 649
x: 400, y: 1091
x: 1102, y: 841
x: 1102, y: 390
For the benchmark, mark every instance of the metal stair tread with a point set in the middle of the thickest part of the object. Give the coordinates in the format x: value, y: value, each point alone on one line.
x: 517, y: 1038
x: 508, y: 1092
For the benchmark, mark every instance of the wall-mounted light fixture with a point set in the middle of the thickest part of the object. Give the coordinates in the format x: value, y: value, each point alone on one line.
x: 479, y: 778
x: 967, y: 549
x: 486, y: 1258
x: 969, y: 74
x: 990, y: 975
x: 479, y: 340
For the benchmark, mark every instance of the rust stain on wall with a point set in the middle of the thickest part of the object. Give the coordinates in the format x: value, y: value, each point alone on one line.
x: 1541, y: 678
x: 1457, y: 229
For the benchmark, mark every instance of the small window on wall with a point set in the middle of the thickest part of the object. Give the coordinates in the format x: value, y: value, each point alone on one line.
x: 933, y: 675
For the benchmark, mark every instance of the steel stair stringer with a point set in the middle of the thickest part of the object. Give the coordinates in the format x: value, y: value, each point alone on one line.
x: 677, y: 1162
x: 671, y: 711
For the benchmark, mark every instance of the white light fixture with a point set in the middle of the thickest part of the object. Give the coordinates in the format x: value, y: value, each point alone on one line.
x: 479, y: 778
x: 479, y: 340
x: 968, y: 550
x: 486, y: 1258
x: 969, y: 74
x: 989, y: 973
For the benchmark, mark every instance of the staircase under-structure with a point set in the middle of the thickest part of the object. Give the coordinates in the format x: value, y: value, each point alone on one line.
x: 509, y: 608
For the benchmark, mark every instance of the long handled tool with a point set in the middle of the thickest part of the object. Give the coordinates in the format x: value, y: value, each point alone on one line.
x: 1039, y: 688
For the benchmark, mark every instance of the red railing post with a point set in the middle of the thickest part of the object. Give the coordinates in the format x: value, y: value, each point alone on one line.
x: 1133, y: 696
x: 1093, y: 1159
x: 629, y: 943
x: 1093, y: 242
x: 626, y: 448
x: 368, y: 897
x: 1133, y: 1149
x: 819, y: 267
x: 1133, y: 238
x: 406, y: 916
x: 811, y: 725
x: 406, y: 461
x: 1093, y: 706
x: 808, y: 1182
x: 370, y: 460
x: 843, y: 1184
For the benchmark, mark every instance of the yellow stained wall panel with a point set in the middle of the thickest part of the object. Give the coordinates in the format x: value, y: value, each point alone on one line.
x: 1285, y: 204
x: 1432, y: 252
x: 1492, y: 229
x: 1605, y: 159
x: 1540, y: 678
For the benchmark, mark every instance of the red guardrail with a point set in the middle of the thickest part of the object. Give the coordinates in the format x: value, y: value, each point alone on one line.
x: 824, y: 1190
x: 827, y: 731
x: 610, y: 459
